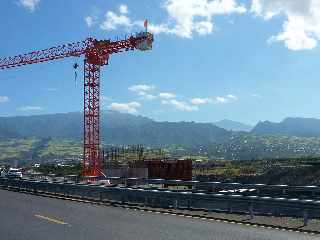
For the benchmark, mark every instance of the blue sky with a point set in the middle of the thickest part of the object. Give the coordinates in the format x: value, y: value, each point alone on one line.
x: 245, y: 60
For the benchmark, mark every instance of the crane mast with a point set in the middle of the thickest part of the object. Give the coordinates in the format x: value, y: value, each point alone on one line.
x: 96, y: 54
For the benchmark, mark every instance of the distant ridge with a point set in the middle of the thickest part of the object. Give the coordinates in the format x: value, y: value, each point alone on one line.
x: 56, y: 135
x: 117, y: 128
x: 301, y: 127
x: 233, y: 125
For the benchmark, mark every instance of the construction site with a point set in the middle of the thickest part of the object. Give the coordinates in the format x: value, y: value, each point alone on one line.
x: 138, y: 162
x: 124, y: 162
x: 116, y: 127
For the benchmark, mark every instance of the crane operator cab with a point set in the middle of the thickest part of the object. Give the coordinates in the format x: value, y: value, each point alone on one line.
x: 145, y: 44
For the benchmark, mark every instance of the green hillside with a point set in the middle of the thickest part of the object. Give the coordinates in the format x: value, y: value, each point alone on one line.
x: 59, y: 136
x: 33, y: 149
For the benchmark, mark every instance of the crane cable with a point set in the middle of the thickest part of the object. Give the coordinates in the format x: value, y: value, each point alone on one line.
x: 75, y: 66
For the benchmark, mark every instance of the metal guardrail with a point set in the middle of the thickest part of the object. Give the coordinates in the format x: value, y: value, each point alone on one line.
x: 260, y: 188
x: 172, y: 199
x: 311, y: 190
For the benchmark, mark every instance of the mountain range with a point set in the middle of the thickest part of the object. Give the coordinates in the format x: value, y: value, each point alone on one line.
x: 123, y: 128
x: 233, y: 125
x: 300, y: 127
x: 117, y: 128
x: 56, y: 135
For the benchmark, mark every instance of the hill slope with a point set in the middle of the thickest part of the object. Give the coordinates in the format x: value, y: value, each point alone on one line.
x: 117, y: 128
x: 302, y: 127
x: 233, y: 125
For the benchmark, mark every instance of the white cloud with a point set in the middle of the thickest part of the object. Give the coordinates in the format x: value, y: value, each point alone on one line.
x: 123, y: 9
x: 225, y: 99
x: 149, y: 97
x: 158, y: 28
x: 106, y: 99
x: 31, y: 109
x: 4, y: 99
x: 200, y: 101
x: 301, y: 28
x: 180, y: 105
x: 141, y: 87
x: 130, y: 107
x: 232, y: 97
x: 256, y: 95
x: 184, y: 17
x: 196, y: 16
x: 90, y: 21
x: 221, y: 100
x: 113, y: 21
x: 29, y: 4
x: 146, y: 96
x: 143, y: 91
x: 166, y: 95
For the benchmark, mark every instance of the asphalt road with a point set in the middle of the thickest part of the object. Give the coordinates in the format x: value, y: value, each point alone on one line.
x: 29, y: 217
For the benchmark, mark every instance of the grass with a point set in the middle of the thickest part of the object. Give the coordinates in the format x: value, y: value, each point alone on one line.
x: 33, y: 148
x: 59, y: 147
x: 231, y: 168
x: 16, y: 148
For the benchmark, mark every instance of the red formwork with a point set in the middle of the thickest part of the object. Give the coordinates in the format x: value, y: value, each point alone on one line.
x: 169, y: 169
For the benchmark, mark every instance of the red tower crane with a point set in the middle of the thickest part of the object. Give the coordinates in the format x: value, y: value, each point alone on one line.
x: 96, y: 54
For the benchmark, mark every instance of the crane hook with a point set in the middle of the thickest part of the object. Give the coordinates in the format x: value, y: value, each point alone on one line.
x: 75, y: 66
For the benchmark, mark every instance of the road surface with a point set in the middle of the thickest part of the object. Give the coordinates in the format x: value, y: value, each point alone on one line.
x: 29, y: 217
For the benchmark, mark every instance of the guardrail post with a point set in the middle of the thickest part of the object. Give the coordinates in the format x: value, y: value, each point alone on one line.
x: 53, y: 191
x: 34, y: 189
x: 189, y: 203
x: 19, y: 186
x: 251, y: 211
x: 100, y: 197
x: 81, y: 193
x: 161, y: 202
x: 66, y: 191
x: 176, y: 204
x: 305, y: 218
x: 145, y: 201
x: 47, y: 188
x: 230, y: 207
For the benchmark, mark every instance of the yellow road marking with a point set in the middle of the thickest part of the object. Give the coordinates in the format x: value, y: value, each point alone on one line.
x: 50, y: 219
